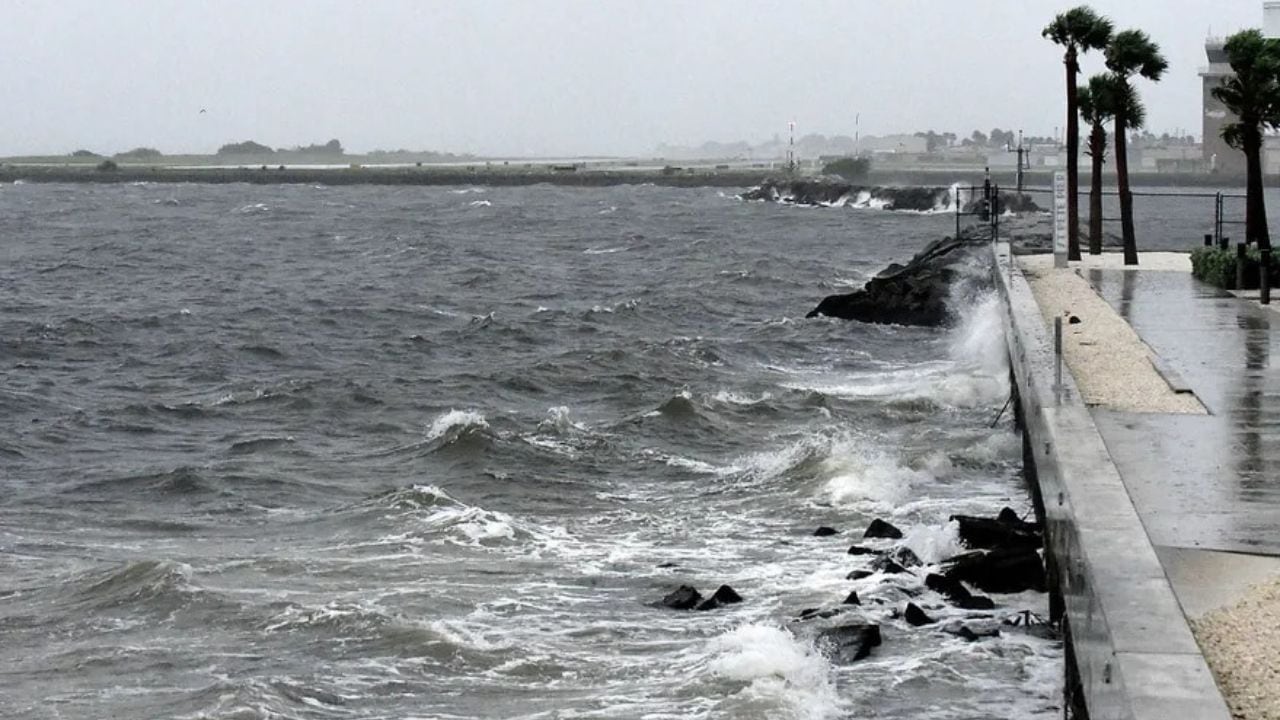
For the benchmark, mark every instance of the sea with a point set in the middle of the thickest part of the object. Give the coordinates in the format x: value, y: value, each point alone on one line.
x: 298, y: 451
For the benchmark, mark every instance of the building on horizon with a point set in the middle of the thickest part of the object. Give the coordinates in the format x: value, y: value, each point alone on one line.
x: 1217, y: 155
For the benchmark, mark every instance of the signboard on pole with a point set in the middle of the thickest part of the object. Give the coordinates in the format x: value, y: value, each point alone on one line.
x: 1059, y: 219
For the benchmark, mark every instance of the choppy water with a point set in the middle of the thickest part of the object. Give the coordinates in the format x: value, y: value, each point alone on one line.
x: 301, y: 452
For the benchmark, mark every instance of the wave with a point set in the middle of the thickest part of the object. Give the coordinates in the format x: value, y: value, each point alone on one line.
x: 455, y: 424
x: 179, y: 481
x: 428, y: 513
x: 249, y: 447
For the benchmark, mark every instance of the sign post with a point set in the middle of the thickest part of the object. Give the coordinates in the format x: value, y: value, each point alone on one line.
x: 1059, y: 219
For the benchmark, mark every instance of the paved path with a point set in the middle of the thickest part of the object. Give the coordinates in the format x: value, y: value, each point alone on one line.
x: 1202, y: 482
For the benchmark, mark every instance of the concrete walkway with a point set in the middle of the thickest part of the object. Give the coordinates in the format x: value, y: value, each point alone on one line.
x: 1207, y: 486
x: 1208, y: 482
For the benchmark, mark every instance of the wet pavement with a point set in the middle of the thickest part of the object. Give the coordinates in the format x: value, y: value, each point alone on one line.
x: 1205, y: 482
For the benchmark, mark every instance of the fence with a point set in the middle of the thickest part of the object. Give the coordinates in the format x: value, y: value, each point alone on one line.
x: 1174, y: 219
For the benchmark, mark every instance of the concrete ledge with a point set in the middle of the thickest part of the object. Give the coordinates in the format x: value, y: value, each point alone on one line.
x: 1133, y: 648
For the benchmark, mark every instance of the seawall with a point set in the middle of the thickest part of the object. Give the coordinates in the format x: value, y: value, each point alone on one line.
x: 1129, y: 650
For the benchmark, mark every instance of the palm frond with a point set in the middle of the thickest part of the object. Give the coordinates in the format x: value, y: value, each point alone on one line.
x: 1081, y: 28
x: 1133, y: 52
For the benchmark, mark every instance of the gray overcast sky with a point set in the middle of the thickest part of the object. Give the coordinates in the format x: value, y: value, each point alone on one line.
x: 546, y: 77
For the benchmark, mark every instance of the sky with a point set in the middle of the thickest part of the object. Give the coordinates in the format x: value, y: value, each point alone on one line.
x: 556, y: 77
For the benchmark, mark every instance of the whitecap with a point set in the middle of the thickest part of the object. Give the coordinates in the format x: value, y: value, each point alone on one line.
x: 865, y: 478
x: 782, y: 675
x: 480, y: 203
x: 459, y: 419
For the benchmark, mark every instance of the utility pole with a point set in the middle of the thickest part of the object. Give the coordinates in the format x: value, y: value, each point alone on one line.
x: 856, y: 133
x: 791, y: 149
x: 1020, y: 165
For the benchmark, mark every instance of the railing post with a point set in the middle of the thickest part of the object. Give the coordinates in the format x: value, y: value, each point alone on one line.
x: 957, y: 204
x: 1217, y: 217
x: 1264, y: 278
x: 1057, y: 355
x: 1241, y: 249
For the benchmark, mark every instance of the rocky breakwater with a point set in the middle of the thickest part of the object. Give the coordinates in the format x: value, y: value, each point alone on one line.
x: 892, y: 588
x: 833, y: 192
x: 920, y: 292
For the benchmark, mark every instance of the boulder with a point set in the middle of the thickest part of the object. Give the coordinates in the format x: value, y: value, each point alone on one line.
x: 916, y: 293
x: 1004, y: 570
x: 825, y: 531
x: 684, y: 597
x: 957, y: 593
x: 905, y: 557
x: 820, y: 613
x: 881, y: 529
x: 973, y: 630
x: 852, y: 598
x: 724, y: 595
x: 916, y: 617
x: 859, y: 550
x: 851, y: 642
x: 887, y: 565
x: 858, y: 575
x: 1000, y: 532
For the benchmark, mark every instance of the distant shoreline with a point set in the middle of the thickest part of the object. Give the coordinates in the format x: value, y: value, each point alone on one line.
x: 494, y: 175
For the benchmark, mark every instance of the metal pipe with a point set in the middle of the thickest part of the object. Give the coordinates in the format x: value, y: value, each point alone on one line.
x: 1057, y: 354
x: 1241, y: 249
x: 1264, y: 278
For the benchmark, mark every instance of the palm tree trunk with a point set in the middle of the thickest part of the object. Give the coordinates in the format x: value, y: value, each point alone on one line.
x: 1073, y: 155
x: 1126, y: 198
x: 1097, y: 149
x: 1255, y: 209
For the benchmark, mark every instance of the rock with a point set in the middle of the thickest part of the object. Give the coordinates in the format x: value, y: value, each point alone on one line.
x: 858, y: 575
x: 979, y: 532
x: 724, y: 595
x: 917, y: 293
x: 957, y: 593
x: 905, y: 557
x: 916, y: 617
x: 820, y: 613
x: 850, y: 643
x: 881, y: 529
x: 852, y: 598
x: 973, y: 630
x: 859, y: 550
x: 684, y: 597
x: 999, y: 571
x: 886, y: 565
x: 668, y: 565
x: 1073, y: 320
x: 1007, y: 515
x: 825, y: 531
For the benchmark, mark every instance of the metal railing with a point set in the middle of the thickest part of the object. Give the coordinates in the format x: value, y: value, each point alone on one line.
x: 1223, y: 219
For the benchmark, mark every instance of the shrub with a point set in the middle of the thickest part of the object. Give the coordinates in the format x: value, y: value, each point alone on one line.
x: 108, y: 166
x: 1218, y: 267
x: 140, y: 153
x: 851, y: 169
x: 248, y: 147
x: 84, y: 154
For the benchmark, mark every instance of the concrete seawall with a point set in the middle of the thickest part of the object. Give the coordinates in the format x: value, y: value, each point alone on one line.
x: 1130, y: 652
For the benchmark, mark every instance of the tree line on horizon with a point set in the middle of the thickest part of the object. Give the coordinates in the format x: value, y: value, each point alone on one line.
x: 1252, y: 93
x: 250, y: 148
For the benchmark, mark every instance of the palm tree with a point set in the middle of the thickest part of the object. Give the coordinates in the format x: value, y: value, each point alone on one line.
x: 1130, y: 53
x: 1096, y: 101
x: 1079, y: 29
x: 1253, y: 95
